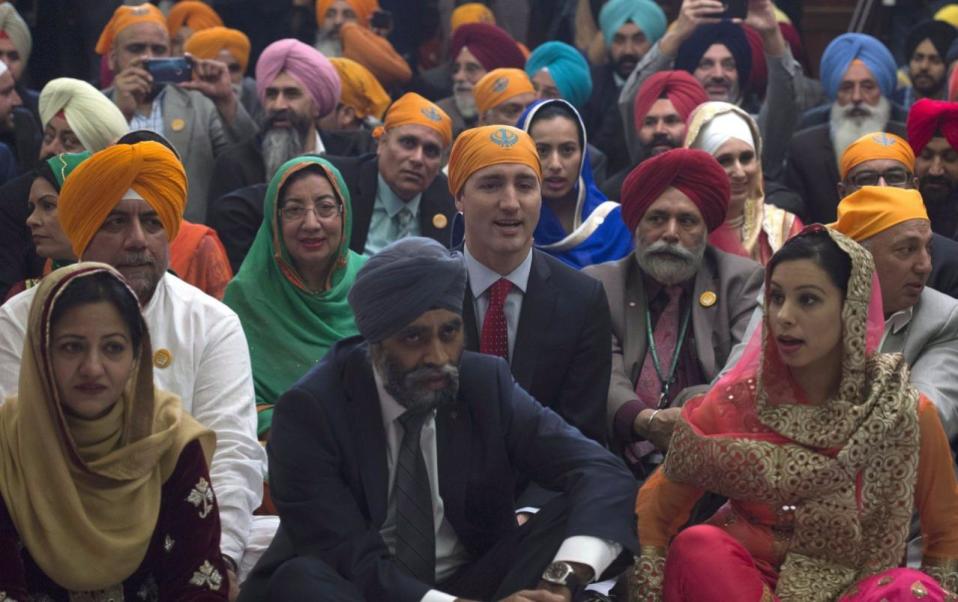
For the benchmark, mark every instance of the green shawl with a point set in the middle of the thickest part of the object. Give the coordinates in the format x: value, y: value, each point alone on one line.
x: 288, y: 328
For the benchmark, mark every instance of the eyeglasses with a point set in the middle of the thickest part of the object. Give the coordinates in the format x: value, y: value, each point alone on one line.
x: 897, y: 177
x: 297, y: 213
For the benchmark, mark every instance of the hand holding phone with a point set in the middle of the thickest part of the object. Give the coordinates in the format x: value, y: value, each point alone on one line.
x: 173, y: 70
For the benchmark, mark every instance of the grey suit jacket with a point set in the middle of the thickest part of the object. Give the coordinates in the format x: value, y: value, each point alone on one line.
x: 717, y: 329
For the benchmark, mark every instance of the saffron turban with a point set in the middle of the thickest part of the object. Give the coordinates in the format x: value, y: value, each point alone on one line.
x: 499, y: 85
x: 127, y: 16
x: 471, y: 12
x: 14, y: 27
x: 99, y: 183
x: 878, y: 145
x: 948, y: 14
x: 193, y: 14
x: 303, y: 63
x: 939, y: 33
x: 647, y: 15
x: 851, y: 46
x: 208, y: 43
x: 695, y: 172
x: 374, y: 52
x: 491, y: 46
x: 929, y: 118
x: 403, y: 281
x: 364, y: 9
x: 361, y: 91
x: 413, y: 109
x: 871, y: 210
x: 683, y: 91
x: 481, y: 147
x: 93, y: 117
x: 725, y: 33
x: 568, y: 69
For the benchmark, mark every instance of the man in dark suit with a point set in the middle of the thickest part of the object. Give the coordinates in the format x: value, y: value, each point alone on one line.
x: 678, y: 304
x: 393, y: 462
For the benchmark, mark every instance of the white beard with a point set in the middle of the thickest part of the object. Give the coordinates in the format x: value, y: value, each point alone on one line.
x: 329, y: 43
x: 846, y: 129
x: 465, y: 102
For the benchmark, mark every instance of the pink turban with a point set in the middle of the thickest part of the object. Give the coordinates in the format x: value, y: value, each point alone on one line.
x: 303, y: 63
x: 929, y: 118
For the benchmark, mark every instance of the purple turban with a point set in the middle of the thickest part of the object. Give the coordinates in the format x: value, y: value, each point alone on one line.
x: 306, y: 65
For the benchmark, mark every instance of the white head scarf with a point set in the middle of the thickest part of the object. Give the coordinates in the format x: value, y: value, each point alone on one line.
x: 720, y: 130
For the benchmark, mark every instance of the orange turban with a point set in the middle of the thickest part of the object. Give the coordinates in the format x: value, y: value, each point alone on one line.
x: 126, y: 16
x: 360, y: 89
x: 878, y: 145
x: 472, y: 12
x: 363, y: 9
x: 412, y: 108
x: 490, y: 145
x: 206, y: 44
x: 499, y: 85
x: 96, y: 186
x: 873, y: 209
x: 192, y: 14
x: 375, y: 53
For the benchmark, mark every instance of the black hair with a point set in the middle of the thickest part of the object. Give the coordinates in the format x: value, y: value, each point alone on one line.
x: 819, y: 247
x: 102, y: 286
x: 312, y: 168
x: 137, y: 136
x: 559, y: 109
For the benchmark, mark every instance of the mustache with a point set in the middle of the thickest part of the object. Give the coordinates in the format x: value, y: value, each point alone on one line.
x: 462, y: 87
x: 724, y: 81
x: 859, y: 109
x: 136, y: 259
x: 676, y: 251
x: 417, y: 376
x: 662, y: 139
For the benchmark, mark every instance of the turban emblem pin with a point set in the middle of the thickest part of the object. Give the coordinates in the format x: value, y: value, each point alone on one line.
x: 431, y: 113
x: 883, y: 140
x: 503, y: 138
x: 500, y: 85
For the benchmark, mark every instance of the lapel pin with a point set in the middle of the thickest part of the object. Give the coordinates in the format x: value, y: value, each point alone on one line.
x: 162, y: 358
x: 439, y: 221
x: 177, y: 124
x: 708, y: 299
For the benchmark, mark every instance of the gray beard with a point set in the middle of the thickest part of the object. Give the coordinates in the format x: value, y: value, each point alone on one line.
x: 329, y: 43
x: 404, y: 385
x: 670, y: 264
x: 466, y: 103
x: 846, y: 129
x: 279, y: 145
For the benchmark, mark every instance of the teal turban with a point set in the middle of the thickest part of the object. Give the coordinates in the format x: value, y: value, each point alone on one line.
x: 567, y: 67
x: 647, y: 15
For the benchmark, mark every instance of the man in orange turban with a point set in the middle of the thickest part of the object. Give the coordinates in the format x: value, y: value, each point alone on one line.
x: 361, y: 98
x: 331, y: 15
x: 501, y: 96
x: 376, y: 53
x: 230, y: 47
x: 186, y: 18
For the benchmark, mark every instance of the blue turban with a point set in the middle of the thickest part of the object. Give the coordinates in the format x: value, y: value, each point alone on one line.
x: 647, y: 15
x: 850, y: 46
x: 725, y: 33
x: 567, y: 67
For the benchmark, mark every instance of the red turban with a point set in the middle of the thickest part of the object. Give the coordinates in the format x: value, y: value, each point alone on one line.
x: 928, y: 118
x: 693, y: 171
x: 491, y: 45
x: 684, y: 91
x: 758, y: 77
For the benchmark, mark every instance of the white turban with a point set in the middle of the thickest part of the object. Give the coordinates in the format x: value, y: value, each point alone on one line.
x: 16, y: 28
x: 720, y: 130
x: 93, y: 117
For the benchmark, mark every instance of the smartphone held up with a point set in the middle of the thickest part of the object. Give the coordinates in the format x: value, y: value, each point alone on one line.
x: 173, y: 70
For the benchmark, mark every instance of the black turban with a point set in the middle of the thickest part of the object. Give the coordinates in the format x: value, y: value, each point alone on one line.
x: 940, y: 33
x: 726, y: 33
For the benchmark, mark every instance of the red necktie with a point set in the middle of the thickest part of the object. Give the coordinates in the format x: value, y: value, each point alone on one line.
x: 495, y: 333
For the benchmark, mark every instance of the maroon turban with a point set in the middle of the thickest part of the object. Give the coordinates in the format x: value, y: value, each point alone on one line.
x: 684, y: 91
x: 694, y: 172
x: 930, y: 118
x: 491, y: 45
x: 758, y: 77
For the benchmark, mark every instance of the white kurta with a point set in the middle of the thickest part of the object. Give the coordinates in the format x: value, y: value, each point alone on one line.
x: 208, y: 368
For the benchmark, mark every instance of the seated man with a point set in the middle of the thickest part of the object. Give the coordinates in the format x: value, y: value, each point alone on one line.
x: 933, y: 135
x: 674, y: 283
x: 393, y: 461
x: 502, y: 95
x: 123, y: 206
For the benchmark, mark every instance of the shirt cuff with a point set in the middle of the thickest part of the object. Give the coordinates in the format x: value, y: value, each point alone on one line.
x: 623, y: 423
x: 590, y: 551
x: 434, y: 595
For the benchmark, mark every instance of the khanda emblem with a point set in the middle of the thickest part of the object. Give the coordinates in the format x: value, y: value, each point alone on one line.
x: 140, y: 11
x: 883, y: 139
x: 500, y: 85
x: 503, y: 138
x: 431, y: 113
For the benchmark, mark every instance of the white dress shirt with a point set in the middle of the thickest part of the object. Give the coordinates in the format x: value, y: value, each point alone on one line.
x: 481, y: 278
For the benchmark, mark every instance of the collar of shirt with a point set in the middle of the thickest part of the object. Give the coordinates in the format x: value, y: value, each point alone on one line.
x: 392, y: 203
x: 156, y: 107
x: 320, y: 148
x: 618, y: 79
x: 653, y: 287
x: 899, y: 320
x: 481, y: 277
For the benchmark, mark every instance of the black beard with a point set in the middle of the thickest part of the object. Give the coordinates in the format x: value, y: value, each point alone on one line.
x: 618, y: 67
x: 405, y: 385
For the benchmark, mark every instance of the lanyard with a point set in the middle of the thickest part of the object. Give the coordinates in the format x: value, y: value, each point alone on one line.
x: 666, y: 381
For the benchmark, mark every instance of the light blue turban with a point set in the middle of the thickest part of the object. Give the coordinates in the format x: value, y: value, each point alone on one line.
x: 567, y: 67
x: 647, y: 15
x: 850, y: 46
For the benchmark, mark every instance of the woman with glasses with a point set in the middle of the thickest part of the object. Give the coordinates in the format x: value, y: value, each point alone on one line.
x: 290, y: 293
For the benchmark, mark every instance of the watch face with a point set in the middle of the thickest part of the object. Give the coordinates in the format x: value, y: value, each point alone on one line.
x: 557, y: 572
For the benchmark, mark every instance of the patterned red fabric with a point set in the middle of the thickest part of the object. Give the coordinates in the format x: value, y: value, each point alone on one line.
x: 494, y: 339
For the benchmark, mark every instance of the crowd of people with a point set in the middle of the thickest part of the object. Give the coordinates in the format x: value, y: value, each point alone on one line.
x: 450, y: 301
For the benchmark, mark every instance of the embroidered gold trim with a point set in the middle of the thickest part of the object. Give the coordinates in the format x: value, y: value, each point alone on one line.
x: 648, y: 575
x: 943, y: 570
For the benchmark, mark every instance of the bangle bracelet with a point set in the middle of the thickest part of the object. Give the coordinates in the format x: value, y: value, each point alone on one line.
x: 652, y: 417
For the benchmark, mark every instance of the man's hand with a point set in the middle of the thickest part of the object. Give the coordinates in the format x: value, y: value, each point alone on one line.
x: 212, y: 79
x: 538, y: 595
x: 656, y: 426
x: 133, y: 86
x: 692, y: 14
x: 761, y: 18
x: 233, y: 584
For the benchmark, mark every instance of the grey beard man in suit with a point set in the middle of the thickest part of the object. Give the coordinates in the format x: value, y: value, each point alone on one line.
x: 674, y: 282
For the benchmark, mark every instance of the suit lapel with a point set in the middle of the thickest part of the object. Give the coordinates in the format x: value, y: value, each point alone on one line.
x: 635, y: 344
x: 177, y: 121
x: 366, y: 423
x: 469, y: 322
x: 454, y: 432
x: 363, y: 204
x: 704, y: 317
x: 538, y: 305
x: 435, y: 217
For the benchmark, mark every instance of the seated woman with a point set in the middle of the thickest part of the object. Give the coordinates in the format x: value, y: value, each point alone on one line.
x: 753, y: 227
x: 290, y: 293
x: 822, y: 447
x: 577, y: 224
x: 104, y: 480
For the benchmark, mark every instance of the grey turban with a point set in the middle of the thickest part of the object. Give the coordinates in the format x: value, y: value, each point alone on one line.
x: 404, y: 281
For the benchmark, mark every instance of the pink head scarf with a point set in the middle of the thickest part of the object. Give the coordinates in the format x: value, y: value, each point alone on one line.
x: 306, y: 65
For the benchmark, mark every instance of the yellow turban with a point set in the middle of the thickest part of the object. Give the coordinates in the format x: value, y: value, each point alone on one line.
x: 472, y: 12
x: 360, y: 89
x: 499, y: 85
x: 873, y: 209
x: 15, y: 28
x: 99, y: 183
x: 364, y: 9
x: 127, y: 16
x: 948, y: 14
x: 878, y: 145
x: 412, y: 108
x: 206, y: 44
x: 375, y: 53
x: 192, y: 14
x: 490, y: 145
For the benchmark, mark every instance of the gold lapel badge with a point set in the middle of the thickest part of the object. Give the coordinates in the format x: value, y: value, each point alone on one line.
x: 708, y: 299
x: 177, y: 124
x: 162, y: 358
x: 439, y: 221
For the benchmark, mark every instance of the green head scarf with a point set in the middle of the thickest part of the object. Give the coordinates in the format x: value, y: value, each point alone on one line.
x: 63, y: 164
x: 289, y: 328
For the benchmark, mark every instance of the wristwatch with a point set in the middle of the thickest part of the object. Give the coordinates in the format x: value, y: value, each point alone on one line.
x: 562, y: 574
